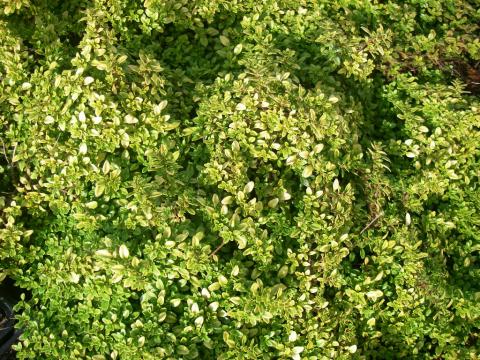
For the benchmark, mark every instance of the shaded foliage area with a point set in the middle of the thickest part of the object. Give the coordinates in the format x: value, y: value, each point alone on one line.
x: 224, y: 179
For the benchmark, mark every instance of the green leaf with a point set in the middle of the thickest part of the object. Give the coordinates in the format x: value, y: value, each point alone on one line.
x: 224, y: 40
x: 99, y: 189
x: 238, y: 49
x: 307, y: 171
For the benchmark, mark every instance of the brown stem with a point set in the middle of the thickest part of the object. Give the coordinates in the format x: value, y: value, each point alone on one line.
x: 371, y: 223
x: 218, y: 248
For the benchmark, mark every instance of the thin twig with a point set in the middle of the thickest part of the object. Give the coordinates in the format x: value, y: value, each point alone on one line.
x: 5, y: 152
x: 218, y: 248
x: 56, y: 141
x: 371, y: 223
x: 13, y: 154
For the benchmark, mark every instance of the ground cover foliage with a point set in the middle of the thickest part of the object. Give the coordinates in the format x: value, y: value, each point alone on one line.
x: 217, y: 179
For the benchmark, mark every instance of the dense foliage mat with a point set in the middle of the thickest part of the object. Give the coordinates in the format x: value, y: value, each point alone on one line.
x: 226, y: 179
